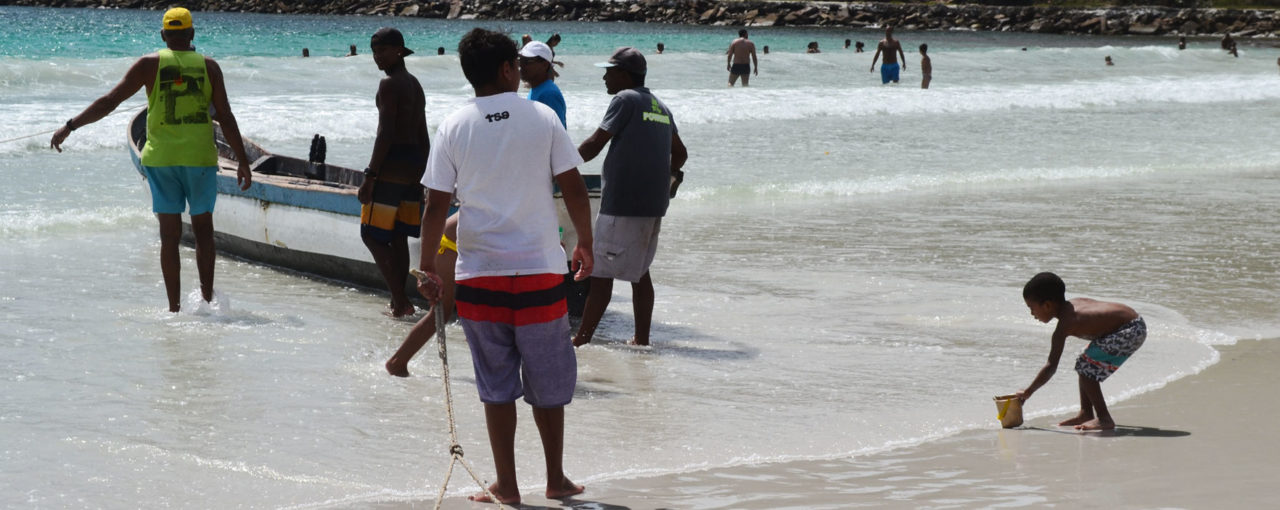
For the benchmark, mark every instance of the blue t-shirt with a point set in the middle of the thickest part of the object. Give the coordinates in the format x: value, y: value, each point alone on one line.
x: 549, y: 94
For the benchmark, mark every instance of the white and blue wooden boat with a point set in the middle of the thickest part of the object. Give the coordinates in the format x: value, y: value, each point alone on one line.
x: 302, y: 215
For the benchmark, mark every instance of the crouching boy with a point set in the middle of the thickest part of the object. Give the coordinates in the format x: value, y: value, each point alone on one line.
x: 1114, y: 332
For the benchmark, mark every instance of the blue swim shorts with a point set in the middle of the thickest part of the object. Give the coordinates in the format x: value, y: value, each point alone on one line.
x: 889, y: 73
x: 174, y: 187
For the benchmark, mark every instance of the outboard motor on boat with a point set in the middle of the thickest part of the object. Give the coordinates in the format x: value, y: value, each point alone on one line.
x: 316, y: 167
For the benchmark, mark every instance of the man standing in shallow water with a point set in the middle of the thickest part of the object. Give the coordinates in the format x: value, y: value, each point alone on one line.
x: 926, y: 67
x: 737, y: 56
x: 641, y: 173
x: 180, y: 160
x: 391, y: 194
x: 889, y: 69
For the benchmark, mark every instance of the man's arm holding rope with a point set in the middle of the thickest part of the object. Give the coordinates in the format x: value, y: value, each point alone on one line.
x: 433, y: 219
x: 135, y: 79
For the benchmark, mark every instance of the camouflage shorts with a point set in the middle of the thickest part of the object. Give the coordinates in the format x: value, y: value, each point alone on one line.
x: 1105, y: 355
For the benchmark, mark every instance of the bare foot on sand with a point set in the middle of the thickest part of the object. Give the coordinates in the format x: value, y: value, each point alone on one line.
x: 404, y: 311
x: 1097, y: 425
x: 397, y: 367
x: 565, y: 490
x: 637, y: 342
x: 506, y: 499
x: 1078, y: 419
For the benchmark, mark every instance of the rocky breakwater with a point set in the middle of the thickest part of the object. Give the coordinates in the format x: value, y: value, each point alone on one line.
x: 1152, y: 20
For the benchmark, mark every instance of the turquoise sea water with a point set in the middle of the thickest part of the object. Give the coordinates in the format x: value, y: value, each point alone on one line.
x: 840, y: 274
x: 95, y: 33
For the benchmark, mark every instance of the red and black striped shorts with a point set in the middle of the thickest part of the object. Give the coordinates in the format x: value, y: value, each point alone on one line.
x: 518, y: 330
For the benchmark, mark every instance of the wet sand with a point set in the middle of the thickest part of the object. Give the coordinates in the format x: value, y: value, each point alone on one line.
x: 1200, y: 442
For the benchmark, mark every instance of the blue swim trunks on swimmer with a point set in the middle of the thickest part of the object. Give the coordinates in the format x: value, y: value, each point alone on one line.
x: 889, y: 73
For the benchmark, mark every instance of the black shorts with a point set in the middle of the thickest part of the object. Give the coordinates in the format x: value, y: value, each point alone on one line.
x: 743, y: 69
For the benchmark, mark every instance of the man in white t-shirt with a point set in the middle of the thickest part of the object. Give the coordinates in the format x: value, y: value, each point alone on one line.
x: 499, y: 155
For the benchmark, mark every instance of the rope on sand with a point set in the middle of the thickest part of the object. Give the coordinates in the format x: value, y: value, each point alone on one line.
x: 455, y: 449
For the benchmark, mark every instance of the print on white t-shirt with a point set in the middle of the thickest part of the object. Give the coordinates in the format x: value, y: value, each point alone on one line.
x: 499, y: 154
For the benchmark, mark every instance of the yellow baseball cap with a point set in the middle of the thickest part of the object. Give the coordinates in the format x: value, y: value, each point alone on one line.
x: 177, y: 18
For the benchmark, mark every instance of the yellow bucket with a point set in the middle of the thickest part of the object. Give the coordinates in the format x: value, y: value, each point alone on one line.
x: 1009, y: 411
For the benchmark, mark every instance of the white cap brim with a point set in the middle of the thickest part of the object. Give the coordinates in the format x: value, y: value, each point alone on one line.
x: 536, y: 49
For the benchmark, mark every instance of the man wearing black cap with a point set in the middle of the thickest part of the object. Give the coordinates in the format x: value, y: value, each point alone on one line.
x: 641, y: 173
x: 180, y: 160
x: 391, y: 194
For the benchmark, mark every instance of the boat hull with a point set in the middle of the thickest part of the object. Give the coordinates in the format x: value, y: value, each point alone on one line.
x: 280, y: 233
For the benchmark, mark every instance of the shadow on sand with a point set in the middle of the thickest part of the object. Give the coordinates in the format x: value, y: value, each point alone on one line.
x: 1120, y: 431
x: 575, y: 504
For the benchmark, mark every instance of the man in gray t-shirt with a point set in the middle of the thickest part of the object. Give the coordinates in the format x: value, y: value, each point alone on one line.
x: 637, y: 169
x: 641, y: 173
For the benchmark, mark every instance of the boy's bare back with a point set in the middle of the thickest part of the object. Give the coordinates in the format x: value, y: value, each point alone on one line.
x: 1089, y: 318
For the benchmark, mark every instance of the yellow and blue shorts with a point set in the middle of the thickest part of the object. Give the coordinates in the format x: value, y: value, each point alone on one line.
x: 396, y: 209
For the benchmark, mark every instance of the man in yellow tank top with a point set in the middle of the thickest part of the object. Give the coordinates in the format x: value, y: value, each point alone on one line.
x: 180, y: 159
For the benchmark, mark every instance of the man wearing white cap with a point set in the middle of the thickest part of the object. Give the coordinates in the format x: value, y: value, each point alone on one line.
x: 179, y: 160
x: 640, y: 175
x: 535, y: 69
